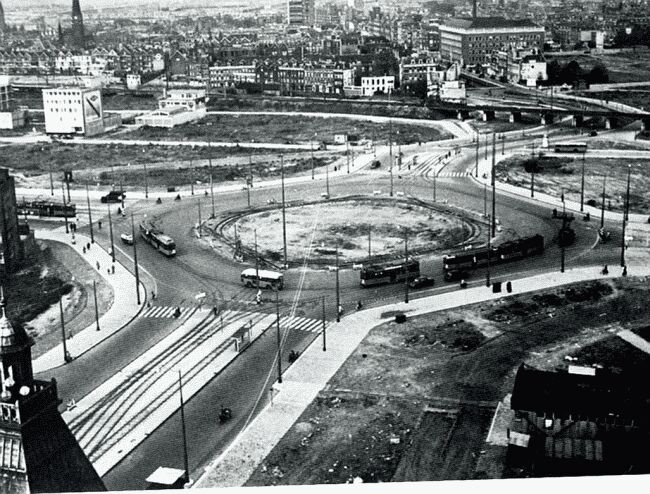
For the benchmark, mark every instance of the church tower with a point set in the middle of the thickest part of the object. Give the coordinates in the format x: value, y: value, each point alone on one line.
x: 3, y: 25
x: 38, y: 453
x: 78, y: 34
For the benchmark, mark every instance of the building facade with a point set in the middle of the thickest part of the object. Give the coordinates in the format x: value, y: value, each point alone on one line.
x: 230, y: 75
x: 11, y: 248
x: 73, y: 110
x: 473, y: 41
x: 372, y: 85
x: 301, y: 12
x: 179, y: 106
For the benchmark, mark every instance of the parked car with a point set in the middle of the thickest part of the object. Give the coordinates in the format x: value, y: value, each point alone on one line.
x: 113, y: 196
x: 593, y: 133
x: 127, y: 238
x: 421, y: 282
x: 375, y: 164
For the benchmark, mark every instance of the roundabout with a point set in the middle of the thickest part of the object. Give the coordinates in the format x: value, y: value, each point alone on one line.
x: 362, y: 228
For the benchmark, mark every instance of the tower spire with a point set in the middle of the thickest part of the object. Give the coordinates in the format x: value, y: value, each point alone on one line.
x: 78, y: 34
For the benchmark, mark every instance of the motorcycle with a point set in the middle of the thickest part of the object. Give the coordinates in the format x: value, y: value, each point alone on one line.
x: 225, y: 414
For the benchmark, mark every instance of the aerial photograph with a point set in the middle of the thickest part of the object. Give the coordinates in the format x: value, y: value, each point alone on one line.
x: 311, y: 243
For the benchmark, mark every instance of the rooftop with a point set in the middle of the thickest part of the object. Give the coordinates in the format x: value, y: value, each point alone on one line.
x: 488, y: 23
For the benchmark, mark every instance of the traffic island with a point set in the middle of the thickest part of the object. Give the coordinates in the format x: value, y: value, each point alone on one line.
x: 362, y: 229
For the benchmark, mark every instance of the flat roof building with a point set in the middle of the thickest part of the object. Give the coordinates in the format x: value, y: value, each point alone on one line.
x: 473, y: 41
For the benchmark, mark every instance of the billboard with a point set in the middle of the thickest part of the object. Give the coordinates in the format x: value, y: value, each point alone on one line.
x: 92, y: 104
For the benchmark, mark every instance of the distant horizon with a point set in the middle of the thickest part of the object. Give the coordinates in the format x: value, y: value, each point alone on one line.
x: 13, y: 5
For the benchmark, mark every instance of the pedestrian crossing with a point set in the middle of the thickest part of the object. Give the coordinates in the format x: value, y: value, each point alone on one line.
x: 298, y: 323
x: 163, y: 311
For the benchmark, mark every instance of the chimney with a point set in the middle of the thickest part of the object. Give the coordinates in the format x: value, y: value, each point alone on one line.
x: 474, y: 9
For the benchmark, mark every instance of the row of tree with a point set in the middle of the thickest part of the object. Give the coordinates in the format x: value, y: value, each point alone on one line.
x: 571, y: 73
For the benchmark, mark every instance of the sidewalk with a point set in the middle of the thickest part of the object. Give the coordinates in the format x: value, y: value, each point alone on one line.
x: 122, y: 311
x: 311, y: 372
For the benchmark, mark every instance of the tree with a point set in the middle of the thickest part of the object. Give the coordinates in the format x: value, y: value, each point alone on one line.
x: 598, y: 75
x: 570, y: 72
x: 553, y: 69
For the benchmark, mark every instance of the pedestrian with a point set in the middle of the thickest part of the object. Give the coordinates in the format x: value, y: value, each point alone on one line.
x: 625, y: 270
x: 215, y: 309
x: 97, y: 264
x: 113, y: 269
x: 340, y: 310
x: 153, y: 295
x: 509, y: 287
x: 99, y: 225
x: 258, y: 297
x: 108, y: 271
x: 119, y: 211
x: 83, y: 249
x: 88, y: 246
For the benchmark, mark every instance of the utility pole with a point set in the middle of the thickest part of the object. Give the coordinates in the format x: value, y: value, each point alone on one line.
x: 146, y: 182
x: 122, y: 192
x: 311, y: 146
x: 582, y: 186
x: 487, y: 273
x: 284, y: 221
x: 406, y: 265
x: 90, y: 216
x: 198, y: 203
x: 186, y: 464
x: 67, y: 183
x: 110, y: 230
x: 135, y: 262
x: 494, y: 190
x: 191, y: 171
x: 347, y: 151
x: 338, y: 297
x: 562, y: 257
x: 477, y: 146
x: 211, y: 185
x: 51, y: 179
x: 602, y: 206
x: 486, y: 146
x: 96, y: 308
x: 369, y: 250
x: 324, y: 336
x: 250, y: 171
x: 278, y: 339
x: 66, y: 358
x: 435, y: 175
x: 503, y: 144
x: 399, y: 152
x: 391, y: 174
x: 65, y: 212
x: 532, y: 180
x: 625, y: 215
x: 257, y: 264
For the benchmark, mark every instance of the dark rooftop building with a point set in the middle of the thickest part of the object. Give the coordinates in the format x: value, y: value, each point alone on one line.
x: 582, y: 422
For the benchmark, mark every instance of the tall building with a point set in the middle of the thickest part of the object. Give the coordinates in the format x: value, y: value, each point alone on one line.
x: 301, y: 12
x: 3, y: 25
x: 38, y: 453
x: 78, y: 34
x: 11, y: 251
x: 474, y: 41
x: 73, y: 110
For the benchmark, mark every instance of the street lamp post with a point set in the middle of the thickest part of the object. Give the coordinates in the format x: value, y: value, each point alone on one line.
x: 503, y: 144
x: 347, y: 151
x: 211, y: 181
x: 324, y: 324
x: 284, y: 221
x: 406, y: 263
x: 582, y: 186
x: 66, y: 357
x: 122, y: 191
x: 257, y: 262
x: 477, y: 146
x: 338, y: 297
x: 532, y: 180
x: 327, y: 179
x: 277, y: 333
x: 435, y: 175
x: 625, y: 215
x: 65, y: 212
x: 191, y: 171
x: 487, y: 143
x: 198, y: 203
x: 110, y: 230
x: 186, y: 464
x: 67, y: 177
x: 90, y: 216
x: 146, y: 182
x: 135, y: 262
x: 311, y: 146
x: 369, y: 245
x: 51, y: 178
x: 96, y: 308
x: 399, y: 152
x: 487, y: 273
x: 602, y: 206
x: 494, y: 190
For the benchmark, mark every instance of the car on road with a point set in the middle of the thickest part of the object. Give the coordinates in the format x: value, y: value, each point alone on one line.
x: 421, y: 282
x: 127, y: 238
x: 375, y: 164
x: 593, y: 133
x: 113, y: 196
x: 456, y: 275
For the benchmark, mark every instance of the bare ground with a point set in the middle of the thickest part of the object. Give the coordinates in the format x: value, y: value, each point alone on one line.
x: 446, y: 391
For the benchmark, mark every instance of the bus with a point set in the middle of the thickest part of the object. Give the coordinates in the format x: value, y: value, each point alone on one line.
x: 463, y: 261
x: 571, y: 147
x: 389, y: 273
x: 267, y: 279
